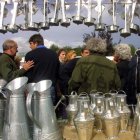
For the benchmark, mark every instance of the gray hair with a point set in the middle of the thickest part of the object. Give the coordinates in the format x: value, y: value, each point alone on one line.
x: 123, y: 51
x: 9, y: 44
x: 96, y: 45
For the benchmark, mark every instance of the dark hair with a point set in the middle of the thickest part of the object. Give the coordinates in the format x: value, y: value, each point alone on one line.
x: 37, y: 38
x: 59, y: 52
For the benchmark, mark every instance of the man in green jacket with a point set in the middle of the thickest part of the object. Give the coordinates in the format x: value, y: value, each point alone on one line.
x: 8, y: 68
x: 95, y: 72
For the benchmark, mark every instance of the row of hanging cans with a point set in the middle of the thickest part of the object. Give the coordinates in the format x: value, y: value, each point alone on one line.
x: 35, y: 119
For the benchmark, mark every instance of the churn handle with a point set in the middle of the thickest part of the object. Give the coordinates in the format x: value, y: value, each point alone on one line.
x: 3, y: 94
x: 29, y: 110
x: 122, y: 92
x: 83, y: 93
x: 60, y: 101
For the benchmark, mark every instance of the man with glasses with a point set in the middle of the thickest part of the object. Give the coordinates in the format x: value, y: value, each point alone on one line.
x: 8, y: 67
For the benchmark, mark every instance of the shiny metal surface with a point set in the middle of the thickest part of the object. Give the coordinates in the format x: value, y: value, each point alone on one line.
x: 112, y: 28
x: 136, y: 122
x: 134, y: 28
x: 64, y: 21
x: 12, y: 27
x: 44, y: 115
x: 2, y: 105
x: 16, y: 124
x: 24, y: 26
x: 124, y: 111
x: 2, y: 83
x: 32, y: 25
x: 125, y: 32
x: 98, y: 111
x: 54, y: 21
x: 100, y: 27
x: 110, y: 119
x: 78, y: 19
x: 84, y: 120
x: 92, y: 101
x: 72, y: 107
x: 89, y: 21
x: 3, y: 28
x: 45, y: 24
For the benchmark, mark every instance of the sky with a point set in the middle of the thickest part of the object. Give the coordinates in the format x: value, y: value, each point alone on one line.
x: 70, y: 36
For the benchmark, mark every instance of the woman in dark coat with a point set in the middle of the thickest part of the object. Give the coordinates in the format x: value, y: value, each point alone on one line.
x: 122, y: 58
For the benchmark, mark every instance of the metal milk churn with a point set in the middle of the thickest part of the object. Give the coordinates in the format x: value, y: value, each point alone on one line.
x: 72, y: 107
x: 43, y: 115
x: 92, y: 103
x: 123, y: 110
x: 16, y: 124
x: 136, y: 123
x: 84, y: 120
x: 92, y: 98
x: 97, y: 111
x: 2, y: 105
x: 110, y: 119
x: 114, y: 93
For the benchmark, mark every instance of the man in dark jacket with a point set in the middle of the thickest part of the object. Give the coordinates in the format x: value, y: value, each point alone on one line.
x: 46, y: 62
x: 8, y: 66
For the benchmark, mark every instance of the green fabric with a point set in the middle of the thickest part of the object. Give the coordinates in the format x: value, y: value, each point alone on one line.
x: 9, y: 69
x: 94, y: 72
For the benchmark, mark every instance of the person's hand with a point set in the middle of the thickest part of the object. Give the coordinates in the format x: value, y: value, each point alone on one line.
x: 27, y: 65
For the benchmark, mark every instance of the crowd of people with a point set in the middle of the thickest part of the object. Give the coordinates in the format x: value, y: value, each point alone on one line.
x: 91, y: 71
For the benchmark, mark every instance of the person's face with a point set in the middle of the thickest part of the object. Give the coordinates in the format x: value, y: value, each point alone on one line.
x: 62, y: 56
x: 85, y: 53
x: 14, y: 50
x: 33, y: 45
x: 73, y: 56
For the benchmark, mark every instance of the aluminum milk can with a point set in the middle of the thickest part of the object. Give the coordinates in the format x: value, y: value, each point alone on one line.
x: 136, y: 122
x: 16, y: 125
x: 123, y: 110
x: 84, y: 120
x: 114, y: 94
x: 92, y: 99
x: 44, y: 114
x: 72, y: 107
x: 110, y: 119
x: 98, y: 111
x: 2, y: 105
x: 92, y: 103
